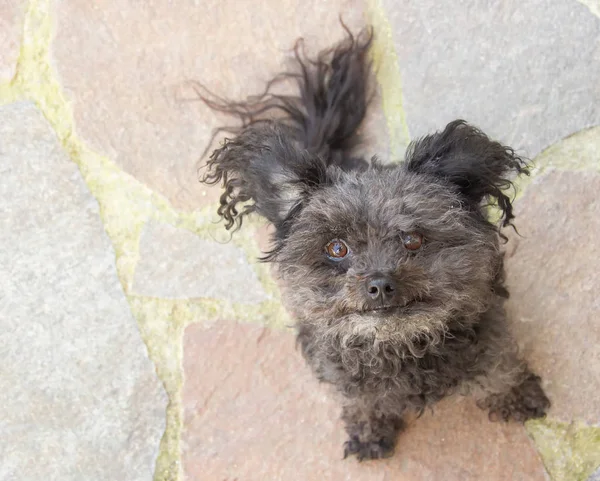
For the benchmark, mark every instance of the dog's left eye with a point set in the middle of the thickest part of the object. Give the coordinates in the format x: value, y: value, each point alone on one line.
x: 412, y: 241
x: 336, y: 249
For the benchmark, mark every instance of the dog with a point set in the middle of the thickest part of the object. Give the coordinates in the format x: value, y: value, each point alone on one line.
x: 393, y: 272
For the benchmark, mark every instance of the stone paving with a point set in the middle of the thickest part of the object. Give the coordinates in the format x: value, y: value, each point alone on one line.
x: 140, y: 342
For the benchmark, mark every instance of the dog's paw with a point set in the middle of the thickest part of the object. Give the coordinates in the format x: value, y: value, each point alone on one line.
x: 368, y: 450
x: 526, y: 401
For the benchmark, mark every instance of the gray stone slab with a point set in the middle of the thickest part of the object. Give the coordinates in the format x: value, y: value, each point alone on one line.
x: 595, y: 476
x: 525, y: 71
x: 80, y: 398
x: 175, y: 263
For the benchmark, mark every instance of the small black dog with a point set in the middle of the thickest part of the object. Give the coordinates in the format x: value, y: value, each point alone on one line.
x: 393, y: 272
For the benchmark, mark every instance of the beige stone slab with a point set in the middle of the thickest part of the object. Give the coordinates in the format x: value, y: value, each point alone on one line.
x: 253, y: 411
x: 12, y: 14
x: 554, y: 278
x: 124, y: 66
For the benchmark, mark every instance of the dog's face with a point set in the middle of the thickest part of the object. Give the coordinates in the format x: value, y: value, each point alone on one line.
x: 390, y: 252
x: 387, y: 253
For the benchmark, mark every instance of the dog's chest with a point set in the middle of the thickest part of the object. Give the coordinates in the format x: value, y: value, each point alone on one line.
x: 432, y: 374
x: 429, y: 371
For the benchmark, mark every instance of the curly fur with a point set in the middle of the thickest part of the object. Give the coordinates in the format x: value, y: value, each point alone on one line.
x: 443, y: 329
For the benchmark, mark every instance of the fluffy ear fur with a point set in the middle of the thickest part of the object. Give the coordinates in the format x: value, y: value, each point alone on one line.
x: 263, y: 166
x: 270, y: 166
x: 467, y: 158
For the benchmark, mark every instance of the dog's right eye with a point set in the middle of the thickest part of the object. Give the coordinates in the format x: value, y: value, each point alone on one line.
x: 412, y: 241
x: 336, y: 249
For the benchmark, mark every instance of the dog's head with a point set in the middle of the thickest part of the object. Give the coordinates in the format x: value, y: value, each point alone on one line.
x: 391, y: 252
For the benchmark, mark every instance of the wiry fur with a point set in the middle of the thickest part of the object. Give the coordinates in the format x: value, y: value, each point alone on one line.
x: 444, y: 328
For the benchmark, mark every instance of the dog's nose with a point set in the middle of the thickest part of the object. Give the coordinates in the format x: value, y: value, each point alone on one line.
x: 380, y: 287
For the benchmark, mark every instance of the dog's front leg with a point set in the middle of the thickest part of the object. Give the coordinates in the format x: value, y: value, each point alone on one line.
x: 513, y: 392
x: 506, y: 387
x: 372, y: 431
x: 509, y: 390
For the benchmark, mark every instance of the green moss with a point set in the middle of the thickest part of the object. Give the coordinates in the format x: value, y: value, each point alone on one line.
x: 570, y: 452
x: 161, y: 325
x: 8, y: 94
x: 387, y: 69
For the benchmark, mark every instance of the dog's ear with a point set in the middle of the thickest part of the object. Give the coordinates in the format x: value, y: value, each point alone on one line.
x: 467, y: 158
x: 264, y: 171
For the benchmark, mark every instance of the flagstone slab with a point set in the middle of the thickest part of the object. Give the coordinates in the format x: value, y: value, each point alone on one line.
x: 128, y: 82
x: 253, y: 411
x: 554, y: 277
x: 525, y: 71
x: 176, y: 264
x: 80, y: 398
x: 12, y: 14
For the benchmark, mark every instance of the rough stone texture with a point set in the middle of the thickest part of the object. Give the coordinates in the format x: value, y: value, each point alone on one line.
x: 524, y: 71
x: 12, y: 13
x: 127, y: 81
x: 80, y: 399
x: 253, y: 411
x: 174, y: 263
x: 554, y: 276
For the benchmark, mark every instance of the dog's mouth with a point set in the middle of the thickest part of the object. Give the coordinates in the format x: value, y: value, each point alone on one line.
x: 387, y: 309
